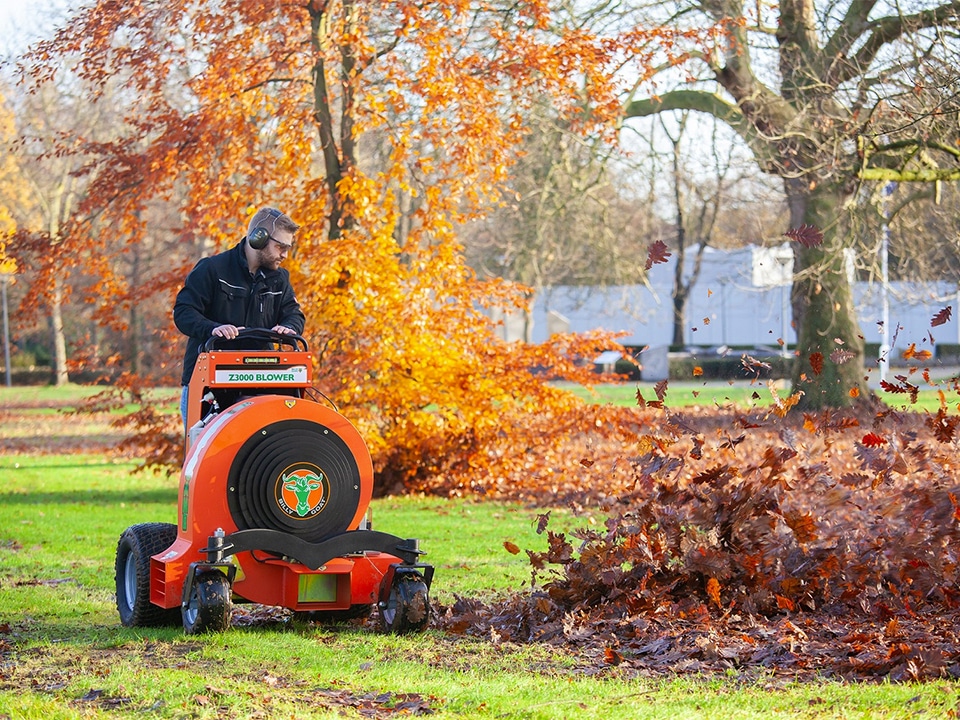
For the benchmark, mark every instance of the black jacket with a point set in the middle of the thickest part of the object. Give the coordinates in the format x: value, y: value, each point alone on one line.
x: 221, y: 291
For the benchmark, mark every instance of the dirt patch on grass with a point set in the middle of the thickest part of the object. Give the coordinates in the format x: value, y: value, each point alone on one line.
x: 44, y: 431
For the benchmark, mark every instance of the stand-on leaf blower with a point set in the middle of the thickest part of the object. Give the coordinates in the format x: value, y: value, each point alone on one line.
x: 272, y: 508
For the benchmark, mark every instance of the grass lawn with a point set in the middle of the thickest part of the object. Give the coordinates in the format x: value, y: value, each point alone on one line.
x: 742, y: 393
x: 64, y: 654
x: 746, y: 394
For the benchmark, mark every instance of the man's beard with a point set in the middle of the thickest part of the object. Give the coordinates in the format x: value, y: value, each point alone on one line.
x: 271, y: 263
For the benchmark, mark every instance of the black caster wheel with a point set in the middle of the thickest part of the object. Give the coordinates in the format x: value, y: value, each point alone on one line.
x: 407, y: 606
x: 209, y: 606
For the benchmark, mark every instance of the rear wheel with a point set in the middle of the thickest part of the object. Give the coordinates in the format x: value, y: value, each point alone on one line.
x: 132, y: 574
x: 209, y: 606
x: 407, y: 607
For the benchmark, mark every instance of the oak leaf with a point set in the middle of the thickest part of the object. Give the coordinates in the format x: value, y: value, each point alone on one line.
x: 807, y: 235
x: 873, y: 440
x: 816, y: 362
x: 657, y: 253
x: 942, y: 317
x: 713, y: 591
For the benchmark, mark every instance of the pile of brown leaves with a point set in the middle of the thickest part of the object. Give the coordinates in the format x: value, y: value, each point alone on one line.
x: 771, y: 541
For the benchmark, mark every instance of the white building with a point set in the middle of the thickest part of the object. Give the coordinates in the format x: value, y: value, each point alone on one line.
x: 742, y: 298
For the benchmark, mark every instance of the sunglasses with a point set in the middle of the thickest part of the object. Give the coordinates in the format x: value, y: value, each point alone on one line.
x: 287, y: 247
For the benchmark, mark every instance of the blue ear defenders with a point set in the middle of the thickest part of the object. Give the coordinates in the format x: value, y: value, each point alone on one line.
x: 259, y: 237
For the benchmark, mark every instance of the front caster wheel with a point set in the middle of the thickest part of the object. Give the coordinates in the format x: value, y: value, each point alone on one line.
x: 407, y: 606
x: 209, y: 606
x: 132, y: 574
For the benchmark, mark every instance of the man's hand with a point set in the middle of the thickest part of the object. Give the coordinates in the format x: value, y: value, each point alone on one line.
x: 227, y: 332
x: 283, y: 330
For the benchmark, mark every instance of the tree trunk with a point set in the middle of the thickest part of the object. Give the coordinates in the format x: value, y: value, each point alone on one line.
x: 829, y: 367
x: 60, y: 377
x: 680, y: 291
x: 135, y: 348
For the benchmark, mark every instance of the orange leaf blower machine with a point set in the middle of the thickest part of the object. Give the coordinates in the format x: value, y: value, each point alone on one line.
x: 272, y: 509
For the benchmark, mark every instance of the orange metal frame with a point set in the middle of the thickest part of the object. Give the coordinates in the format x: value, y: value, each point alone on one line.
x: 203, y: 506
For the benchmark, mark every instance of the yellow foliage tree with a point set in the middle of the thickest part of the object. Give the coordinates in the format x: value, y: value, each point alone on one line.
x: 12, y: 187
x: 381, y: 128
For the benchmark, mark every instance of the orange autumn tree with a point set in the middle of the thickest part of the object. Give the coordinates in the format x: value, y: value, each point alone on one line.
x: 381, y: 128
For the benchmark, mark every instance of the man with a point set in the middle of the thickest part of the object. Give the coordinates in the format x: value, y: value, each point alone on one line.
x: 244, y: 287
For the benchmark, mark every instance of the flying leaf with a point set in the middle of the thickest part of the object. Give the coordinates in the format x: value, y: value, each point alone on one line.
x: 640, y: 399
x: 911, y: 353
x: 785, y: 603
x: 697, y: 451
x: 511, y: 547
x: 697, y: 371
x: 942, y: 317
x: 944, y: 426
x: 661, y: 390
x: 612, y: 657
x: 839, y: 356
x: 730, y: 443
x: 807, y: 235
x: 782, y: 407
x: 873, y: 440
x: 816, y: 362
x: 803, y: 525
x: 753, y: 365
x: 905, y: 387
x: 899, y: 465
x: 956, y: 506
x: 713, y: 591
x: 644, y: 403
x: 542, y: 520
x: 657, y: 253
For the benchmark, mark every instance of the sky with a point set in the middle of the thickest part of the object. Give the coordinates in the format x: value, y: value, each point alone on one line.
x: 22, y: 21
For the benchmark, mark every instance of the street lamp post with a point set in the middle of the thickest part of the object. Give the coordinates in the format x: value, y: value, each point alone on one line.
x: 723, y: 309
x: 885, y: 348
x: 785, y: 281
x: 4, y: 279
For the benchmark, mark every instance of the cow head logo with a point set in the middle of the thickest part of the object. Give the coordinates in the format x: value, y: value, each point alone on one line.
x: 302, y: 491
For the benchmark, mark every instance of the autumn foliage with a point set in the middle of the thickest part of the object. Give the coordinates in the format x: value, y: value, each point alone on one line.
x: 382, y: 128
x: 812, y: 545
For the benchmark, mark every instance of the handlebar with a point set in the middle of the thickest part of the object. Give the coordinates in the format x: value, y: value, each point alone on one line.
x: 258, y: 335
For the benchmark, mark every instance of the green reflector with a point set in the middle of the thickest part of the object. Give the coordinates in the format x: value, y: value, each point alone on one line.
x: 317, y: 588
x: 185, y: 506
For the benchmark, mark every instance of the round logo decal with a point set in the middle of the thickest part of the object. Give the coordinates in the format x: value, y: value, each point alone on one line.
x: 302, y: 491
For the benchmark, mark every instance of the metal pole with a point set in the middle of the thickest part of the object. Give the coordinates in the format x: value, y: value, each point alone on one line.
x: 6, y: 328
x: 785, y: 280
x: 723, y: 311
x: 885, y: 349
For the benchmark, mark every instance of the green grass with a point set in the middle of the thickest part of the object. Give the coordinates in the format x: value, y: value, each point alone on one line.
x: 47, y: 395
x: 745, y: 394
x: 50, y: 506
x: 63, y: 653
x: 47, y: 399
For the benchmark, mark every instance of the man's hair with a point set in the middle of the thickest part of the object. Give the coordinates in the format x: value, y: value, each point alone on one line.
x: 271, y: 219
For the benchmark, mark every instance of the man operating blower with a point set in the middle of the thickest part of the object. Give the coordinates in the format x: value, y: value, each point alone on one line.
x: 243, y: 287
